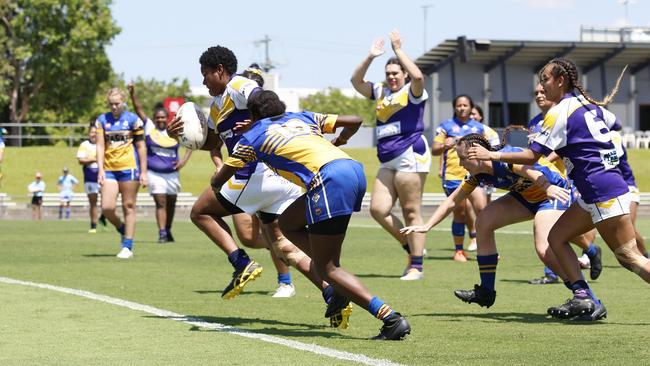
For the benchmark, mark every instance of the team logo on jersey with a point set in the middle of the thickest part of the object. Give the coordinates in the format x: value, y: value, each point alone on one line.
x: 125, y: 124
x: 317, y: 211
x: 108, y: 125
x: 474, y: 129
x: 455, y: 129
x: 315, y: 197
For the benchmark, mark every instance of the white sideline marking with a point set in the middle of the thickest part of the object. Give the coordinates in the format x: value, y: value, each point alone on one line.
x: 329, y: 352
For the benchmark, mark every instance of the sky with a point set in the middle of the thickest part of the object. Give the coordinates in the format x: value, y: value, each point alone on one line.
x: 318, y: 44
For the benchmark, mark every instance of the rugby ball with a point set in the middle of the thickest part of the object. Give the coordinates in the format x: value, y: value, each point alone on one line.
x: 195, y: 126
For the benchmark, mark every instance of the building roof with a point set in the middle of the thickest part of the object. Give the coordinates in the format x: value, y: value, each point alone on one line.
x: 490, y: 53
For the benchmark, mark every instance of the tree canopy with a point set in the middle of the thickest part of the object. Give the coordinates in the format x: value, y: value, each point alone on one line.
x: 334, y: 101
x: 54, y: 55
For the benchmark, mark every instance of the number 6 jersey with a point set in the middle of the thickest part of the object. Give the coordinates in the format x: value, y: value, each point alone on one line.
x: 580, y: 133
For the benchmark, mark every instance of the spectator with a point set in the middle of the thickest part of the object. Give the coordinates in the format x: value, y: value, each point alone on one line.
x: 36, y: 188
x: 66, y: 185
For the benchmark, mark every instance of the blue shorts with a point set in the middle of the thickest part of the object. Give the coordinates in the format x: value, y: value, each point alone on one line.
x: 449, y: 186
x: 340, y: 192
x: 533, y: 207
x: 123, y: 175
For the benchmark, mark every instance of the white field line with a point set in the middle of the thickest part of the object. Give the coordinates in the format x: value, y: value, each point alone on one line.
x: 313, y: 348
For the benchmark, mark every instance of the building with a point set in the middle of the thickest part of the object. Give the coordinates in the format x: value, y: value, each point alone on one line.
x: 500, y: 75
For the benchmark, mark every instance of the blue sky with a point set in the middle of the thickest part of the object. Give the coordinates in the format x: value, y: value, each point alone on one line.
x: 317, y: 44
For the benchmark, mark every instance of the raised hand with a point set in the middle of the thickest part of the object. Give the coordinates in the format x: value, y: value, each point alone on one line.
x: 377, y: 48
x: 395, y: 39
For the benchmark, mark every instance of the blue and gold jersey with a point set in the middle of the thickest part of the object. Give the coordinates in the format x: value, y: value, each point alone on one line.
x: 451, y: 169
x: 292, y: 145
x: 229, y: 108
x: 119, y: 149
x: 504, y: 177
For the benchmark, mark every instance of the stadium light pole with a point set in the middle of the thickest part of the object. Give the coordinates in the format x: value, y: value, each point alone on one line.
x: 425, y: 8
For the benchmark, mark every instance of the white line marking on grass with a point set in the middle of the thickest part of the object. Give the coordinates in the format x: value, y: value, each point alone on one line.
x: 329, y: 352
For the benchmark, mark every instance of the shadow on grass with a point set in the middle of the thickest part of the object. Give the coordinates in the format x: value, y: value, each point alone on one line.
x: 527, y: 282
x: 503, y: 317
x: 243, y: 293
x: 526, y: 318
x: 376, y: 275
x: 269, y: 326
x: 98, y: 255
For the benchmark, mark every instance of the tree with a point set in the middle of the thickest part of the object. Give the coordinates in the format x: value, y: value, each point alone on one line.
x: 54, y: 56
x: 333, y: 101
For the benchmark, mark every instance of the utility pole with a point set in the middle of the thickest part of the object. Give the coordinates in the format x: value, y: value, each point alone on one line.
x: 268, y: 65
x: 425, y: 8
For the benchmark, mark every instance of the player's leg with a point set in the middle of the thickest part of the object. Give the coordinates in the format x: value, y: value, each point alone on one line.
x: 170, y: 207
x: 409, y: 188
x: 129, y: 191
x: 110, y: 190
x: 504, y: 211
x: 160, y: 199
x: 382, y: 200
x: 207, y: 214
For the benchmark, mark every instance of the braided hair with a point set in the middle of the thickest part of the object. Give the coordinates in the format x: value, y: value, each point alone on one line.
x: 566, y: 68
x: 479, y: 139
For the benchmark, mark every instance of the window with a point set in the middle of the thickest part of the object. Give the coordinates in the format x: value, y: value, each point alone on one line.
x: 644, y: 117
x: 518, y: 114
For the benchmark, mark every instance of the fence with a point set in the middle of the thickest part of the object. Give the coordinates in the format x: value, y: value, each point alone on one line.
x: 22, y: 132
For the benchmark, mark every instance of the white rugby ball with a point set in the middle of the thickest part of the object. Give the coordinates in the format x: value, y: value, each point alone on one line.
x: 195, y: 126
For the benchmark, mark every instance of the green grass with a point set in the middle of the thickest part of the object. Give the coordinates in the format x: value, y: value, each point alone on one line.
x: 20, y: 164
x: 39, y: 326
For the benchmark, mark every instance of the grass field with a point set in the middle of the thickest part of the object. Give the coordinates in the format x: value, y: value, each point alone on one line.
x: 20, y: 164
x: 40, y: 326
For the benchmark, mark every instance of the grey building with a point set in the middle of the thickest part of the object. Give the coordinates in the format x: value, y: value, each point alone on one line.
x: 500, y: 76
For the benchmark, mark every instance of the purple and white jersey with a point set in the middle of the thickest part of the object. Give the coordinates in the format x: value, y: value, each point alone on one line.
x: 623, y: 165
x: 229, y: 108
x: 162, y: 150
x: 399, y: 121
x: 580, y: 133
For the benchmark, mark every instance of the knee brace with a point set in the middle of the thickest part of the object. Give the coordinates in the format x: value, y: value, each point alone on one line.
x: 287, y: 251
x: 630, y: 258
x: 457, y: 229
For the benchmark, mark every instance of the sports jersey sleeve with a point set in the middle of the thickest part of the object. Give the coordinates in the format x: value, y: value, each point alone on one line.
x: 469, y: 184
x: 553, y: 134
x: 137, y: 127
x: 148, y: 126
x: 417, y: 100
x: 377, y: 91
x: 243, y: 154
x: 612, y: 122
x: 99, y: 123
x: 491, y: 135
x: 441, y: 134
x: 326, y: 122
x: 82, y: 152
x: 243, y: 88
